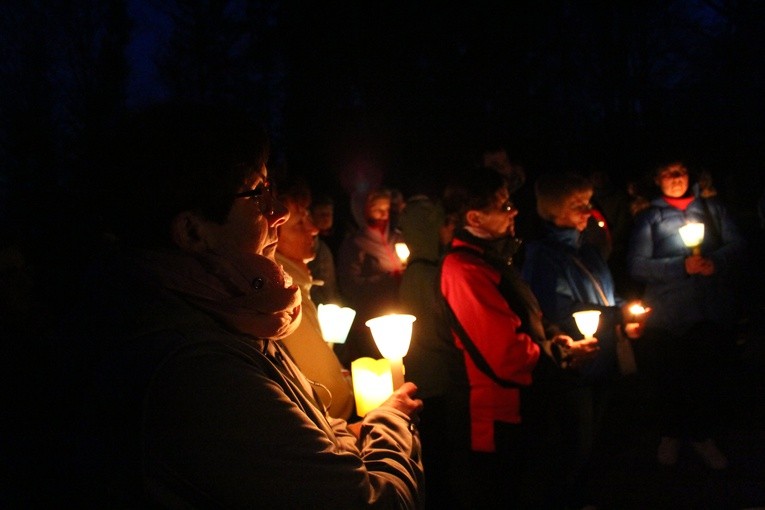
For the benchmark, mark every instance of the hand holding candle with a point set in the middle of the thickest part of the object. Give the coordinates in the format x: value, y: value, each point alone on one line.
x: 375, y: 380
x: 577, y: 352
x: 635, y: 315
x: 392, y: 334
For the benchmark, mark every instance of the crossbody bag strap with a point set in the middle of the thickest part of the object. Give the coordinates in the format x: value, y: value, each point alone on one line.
x: 594, y: 280
x: 470, y: 347
x: 475, y: 354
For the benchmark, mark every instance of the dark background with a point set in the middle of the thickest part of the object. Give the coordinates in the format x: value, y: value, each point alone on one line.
x: 398, y: 92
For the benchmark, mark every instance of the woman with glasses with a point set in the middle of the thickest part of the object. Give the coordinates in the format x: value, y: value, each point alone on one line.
x: 191, y: 400
x: 569, y: 275
x: 692, y: 292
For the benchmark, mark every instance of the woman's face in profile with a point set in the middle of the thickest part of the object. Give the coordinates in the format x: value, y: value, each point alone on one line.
x: 252, y: 221
x: 575, y: 211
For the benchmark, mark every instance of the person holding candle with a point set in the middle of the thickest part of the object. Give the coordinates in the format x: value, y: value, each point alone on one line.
x: 296, y: 247
x: 369, y: 273
x: 191, y: 402
x: 498, y: 325
x: 568, y: 275
x: 694, y: 309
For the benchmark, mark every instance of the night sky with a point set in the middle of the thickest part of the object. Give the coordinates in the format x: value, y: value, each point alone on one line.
x: 402, y: 92
x: 405, y: 94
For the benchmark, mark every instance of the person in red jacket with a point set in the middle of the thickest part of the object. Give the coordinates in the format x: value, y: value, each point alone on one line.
x: 497, y: 323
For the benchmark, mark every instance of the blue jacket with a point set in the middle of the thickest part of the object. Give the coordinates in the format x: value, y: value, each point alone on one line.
x: 563, y: 287
x: 656, y: 257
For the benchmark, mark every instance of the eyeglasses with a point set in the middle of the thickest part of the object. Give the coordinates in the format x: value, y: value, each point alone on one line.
x: 507, y: 206
x: 263, y: 194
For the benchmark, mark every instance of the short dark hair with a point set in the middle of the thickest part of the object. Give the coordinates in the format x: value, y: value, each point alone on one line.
x: 474, y: 190
x: 662, y: 165
x: 552, y: 189
x: 175, y: 157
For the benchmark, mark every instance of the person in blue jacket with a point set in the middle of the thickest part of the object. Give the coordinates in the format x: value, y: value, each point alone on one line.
x: 568, y: 275
x: 693, y: 297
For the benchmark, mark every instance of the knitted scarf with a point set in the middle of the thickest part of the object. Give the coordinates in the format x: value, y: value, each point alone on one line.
x: 248, y: 293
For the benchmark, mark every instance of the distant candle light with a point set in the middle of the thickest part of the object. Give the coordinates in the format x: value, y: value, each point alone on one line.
x: 402, y: 250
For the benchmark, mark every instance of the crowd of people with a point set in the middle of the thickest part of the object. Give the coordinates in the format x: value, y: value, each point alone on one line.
x: 199, y: 377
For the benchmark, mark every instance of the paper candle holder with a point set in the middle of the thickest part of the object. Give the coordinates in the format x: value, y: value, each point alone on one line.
x: 587, y: 321
x: 335, y: 322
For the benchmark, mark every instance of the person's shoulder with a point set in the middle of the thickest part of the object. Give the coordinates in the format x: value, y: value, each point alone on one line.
x: 650, y: 214
x: 714, y: 203
x: 463, y: 259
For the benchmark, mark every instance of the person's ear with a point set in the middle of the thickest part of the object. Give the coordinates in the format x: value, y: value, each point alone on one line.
x: 473, y: 218
x: 188, y: 232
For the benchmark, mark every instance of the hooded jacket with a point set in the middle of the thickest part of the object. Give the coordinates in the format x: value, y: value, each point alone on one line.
x: 369, y: 271
x: 433, y: 363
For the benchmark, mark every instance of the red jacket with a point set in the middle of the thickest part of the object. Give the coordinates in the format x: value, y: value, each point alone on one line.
x: 470, y: 286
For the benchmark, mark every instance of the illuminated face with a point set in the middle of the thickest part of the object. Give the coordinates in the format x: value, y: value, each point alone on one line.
x: 323, y: 216
x: 378, y: 210
x: 251, y: 224
x: 575, y: 211
x: 673, y: 180
x: 298, y: 234
x: 499, y: 219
